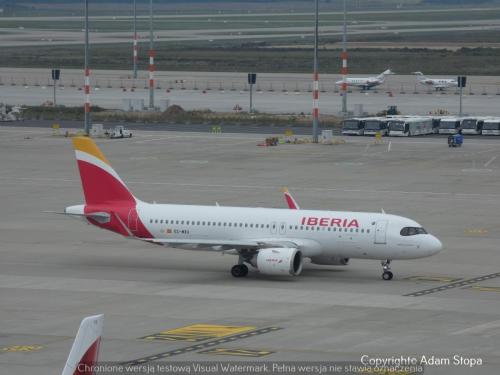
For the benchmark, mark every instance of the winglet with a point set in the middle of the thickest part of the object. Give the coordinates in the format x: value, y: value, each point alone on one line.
x: 292, y: 204
x: 85, y: 350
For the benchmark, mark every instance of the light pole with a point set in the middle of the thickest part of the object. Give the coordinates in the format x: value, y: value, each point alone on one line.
x: 344, y: 63
x: 87, y: 71
x: 151, y: 59
x: 135, y: 40
x: 315, y: 77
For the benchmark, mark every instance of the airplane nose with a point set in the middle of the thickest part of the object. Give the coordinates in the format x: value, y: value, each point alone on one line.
x: 434, y: 246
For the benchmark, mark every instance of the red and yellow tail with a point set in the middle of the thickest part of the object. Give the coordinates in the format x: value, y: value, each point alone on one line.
x: 101, y: 184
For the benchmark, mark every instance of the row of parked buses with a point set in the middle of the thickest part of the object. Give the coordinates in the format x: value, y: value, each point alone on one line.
x: 405, y: 126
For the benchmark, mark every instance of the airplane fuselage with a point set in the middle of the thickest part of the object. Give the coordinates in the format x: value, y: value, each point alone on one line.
x: 319, y: 233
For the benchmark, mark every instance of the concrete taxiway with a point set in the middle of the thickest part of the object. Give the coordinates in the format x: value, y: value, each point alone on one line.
x: 273, y: 93
x: 55, y: 270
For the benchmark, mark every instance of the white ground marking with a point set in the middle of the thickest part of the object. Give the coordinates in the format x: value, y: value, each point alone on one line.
x: 263, y: 187
x: 480, y: 328
x: 493, y: 158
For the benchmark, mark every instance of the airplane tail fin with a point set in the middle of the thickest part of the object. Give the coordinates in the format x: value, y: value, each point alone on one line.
x: 420, y: 75
x: 85, y: 350
x: 291, y: 203
x: 101, y: 184
x: 382, y: 75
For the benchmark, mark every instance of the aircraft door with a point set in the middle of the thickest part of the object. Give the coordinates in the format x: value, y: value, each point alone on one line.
x: 132, y: 220
x: 381, y: 232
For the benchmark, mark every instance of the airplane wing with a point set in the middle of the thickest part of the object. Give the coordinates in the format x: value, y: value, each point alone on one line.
x: 292, y: 203
x: 308, y: 247
x: 221, y: 244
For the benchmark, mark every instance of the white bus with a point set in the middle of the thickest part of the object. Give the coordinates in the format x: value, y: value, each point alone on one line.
x: 449, y: 125
x: 472, y: 125
x: 374, y: 125
x: 406, y: 127
x: 491, y: 126
x: 353, y: 126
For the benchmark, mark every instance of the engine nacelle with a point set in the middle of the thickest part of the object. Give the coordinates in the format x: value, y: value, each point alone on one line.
x: 328, y: 260
x: 279, y: 261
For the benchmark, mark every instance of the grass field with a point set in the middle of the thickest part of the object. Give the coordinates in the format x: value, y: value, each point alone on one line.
x: 245, y: 21
x: 278, y: 37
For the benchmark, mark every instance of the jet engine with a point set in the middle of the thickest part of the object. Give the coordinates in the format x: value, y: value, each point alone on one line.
x: 328, y: 260
x: 278, y: 261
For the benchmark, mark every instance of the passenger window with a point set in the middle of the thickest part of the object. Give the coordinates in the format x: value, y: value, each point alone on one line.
x: 307, y: 228
x: 213, y: 223
x: 267, y: 226
x: 368, y: 231
x: 156, y: 221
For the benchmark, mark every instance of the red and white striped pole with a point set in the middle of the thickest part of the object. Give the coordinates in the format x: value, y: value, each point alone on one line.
x: 87, y: 72
x: 315, y: 111
x: 151, y: 59
x: 87, y: 91
x: 136, y: 48
x: 344, y: 72
x: 343, y: 56
x: 152, y: 69
x: 315, y: 97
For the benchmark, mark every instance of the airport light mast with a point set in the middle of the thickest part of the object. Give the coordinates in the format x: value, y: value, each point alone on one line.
x: 87, y: 72
x: 151, y: 59
x: 315, y: 77
x: 135, y: 53
x: 344, y: 70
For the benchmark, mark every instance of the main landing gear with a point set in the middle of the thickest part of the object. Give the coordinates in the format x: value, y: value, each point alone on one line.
x: 386, y: 265
x: 239, y: 270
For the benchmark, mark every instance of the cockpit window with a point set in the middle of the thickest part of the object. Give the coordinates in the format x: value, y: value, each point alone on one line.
x: 412, y: 231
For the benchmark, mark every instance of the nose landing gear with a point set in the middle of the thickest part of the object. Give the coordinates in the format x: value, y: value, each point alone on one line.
x: 386, y: 265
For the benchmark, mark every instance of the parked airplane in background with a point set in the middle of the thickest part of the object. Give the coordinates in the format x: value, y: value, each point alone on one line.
x: 437, y: 83
x: 85, y: 350
x: 274, y: 241
x: 367, y: 82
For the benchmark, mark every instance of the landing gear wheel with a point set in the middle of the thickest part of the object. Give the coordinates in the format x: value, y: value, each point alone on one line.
x: 387, y: 275
x: 386, y: 265
x: 239, y: 270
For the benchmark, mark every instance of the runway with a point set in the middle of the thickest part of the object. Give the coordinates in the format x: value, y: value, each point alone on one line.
x: 55, y: 270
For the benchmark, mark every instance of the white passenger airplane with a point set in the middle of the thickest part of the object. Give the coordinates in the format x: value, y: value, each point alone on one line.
x: 437, y: 83
x: 366, y: 83
x: 274, y: 241
x: 85, y: 350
